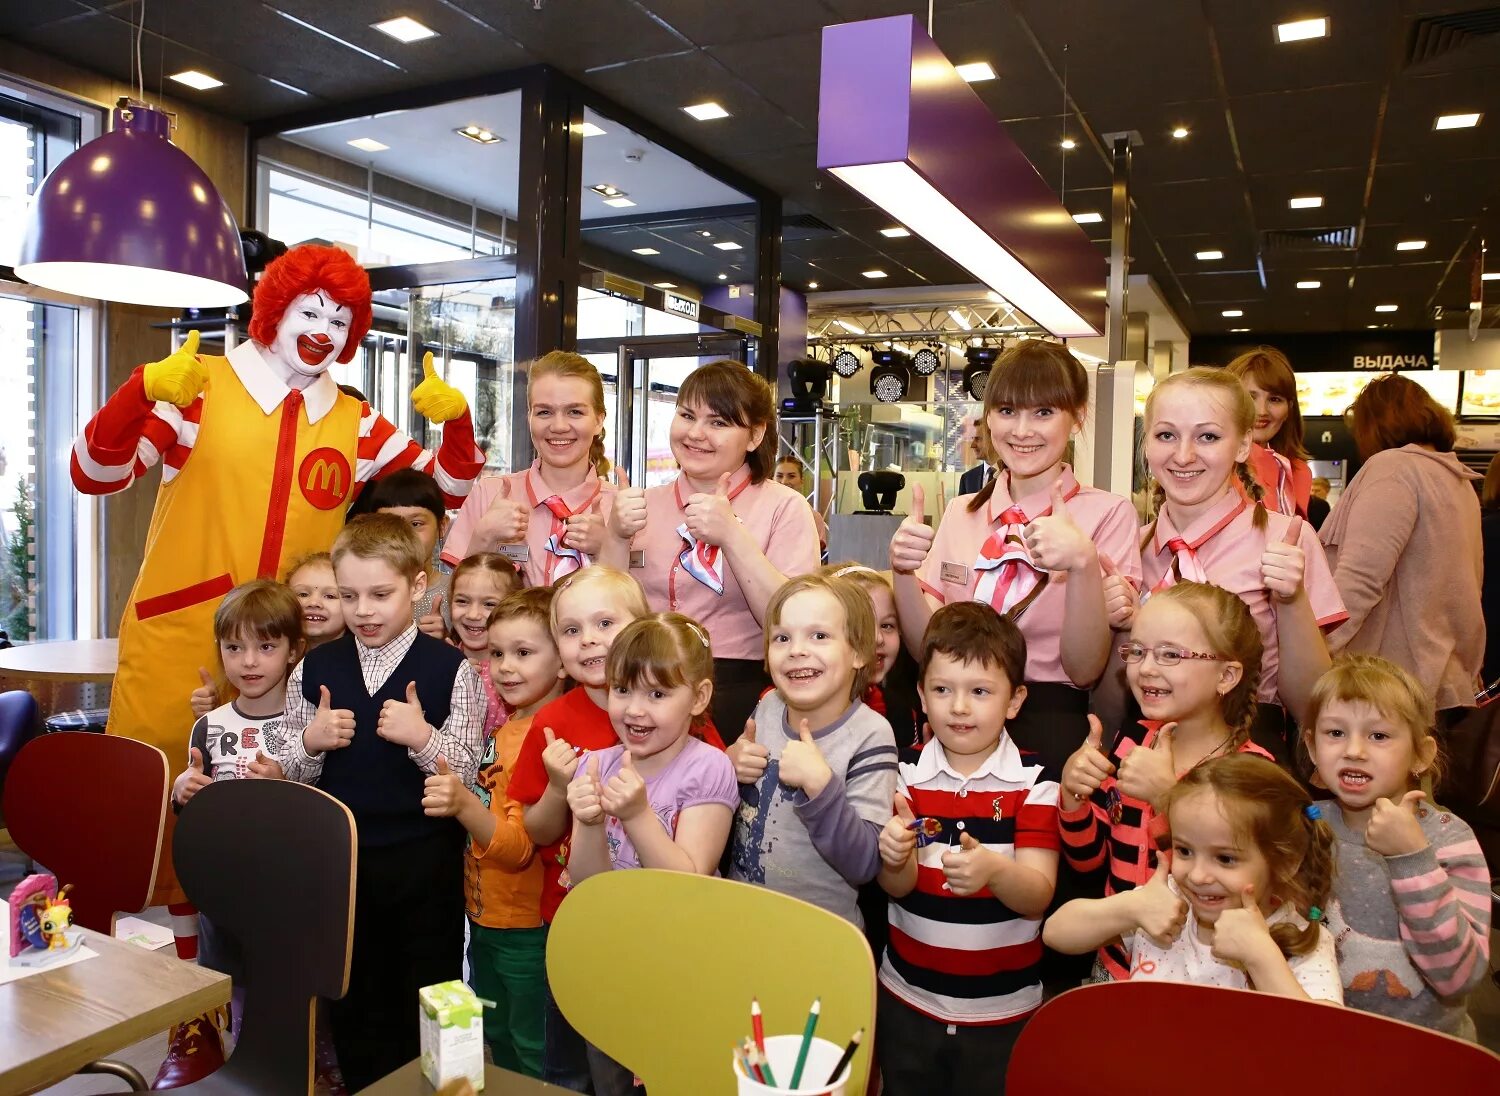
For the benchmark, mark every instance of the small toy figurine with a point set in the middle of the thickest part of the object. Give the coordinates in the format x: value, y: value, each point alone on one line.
x: 56, y: 919
x: 926, y: 829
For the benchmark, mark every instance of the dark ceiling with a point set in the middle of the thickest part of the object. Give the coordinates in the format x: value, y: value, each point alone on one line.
x: 1349, y: 117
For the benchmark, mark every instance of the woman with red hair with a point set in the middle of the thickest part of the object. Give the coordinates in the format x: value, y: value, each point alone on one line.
x: 261, y: 455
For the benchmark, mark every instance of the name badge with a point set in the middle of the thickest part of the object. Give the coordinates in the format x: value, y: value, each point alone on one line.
x: 637, y: 559
x: 516, y: 553
x: 956, y: 573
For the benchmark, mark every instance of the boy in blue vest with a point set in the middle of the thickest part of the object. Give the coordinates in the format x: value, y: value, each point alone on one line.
x: 369, y: 716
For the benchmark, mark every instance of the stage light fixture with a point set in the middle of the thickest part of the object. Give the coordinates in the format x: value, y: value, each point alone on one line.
x: 808, y: 379
x: 878, y: 490
x: 890, y: 378
x: 926, y: 361
x: 846, y: 363
x: 977, y: 371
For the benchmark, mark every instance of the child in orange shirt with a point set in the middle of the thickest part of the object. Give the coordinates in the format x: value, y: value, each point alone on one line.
x: 502, y: 874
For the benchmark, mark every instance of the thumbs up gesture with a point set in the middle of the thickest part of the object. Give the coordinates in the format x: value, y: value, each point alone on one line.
x: 264, y: 768
x: 1121, y: 598
x: 1283, y: 564
x: 1148, y: 775
x: 913, y: 539
x: 1241, y: 935
x: 803, y: 765
x: 504, y: 521
x: 179, y: 377
x: 750, y: 758
x: 897, y: 839
x: 711, y: 518
x: 628, y: 515
x: 586, y: 795
x: 435, y: 399
x: 1158, y: 912
x: 205, y: 698
x: 559, y: 759
x: 432, y: 622
x: 585, y: 531
x: 1055, y: 541
x: 971, y: 867
x: 1395, y: 829
x: 442, y: 792
x: 402, y: 721
x: 1087, y: 768
x: 330, y: 728
x: 624, y: 796
x: 191, y: 780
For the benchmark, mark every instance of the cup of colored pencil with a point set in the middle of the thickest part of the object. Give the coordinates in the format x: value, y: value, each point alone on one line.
x: 792, y: 1065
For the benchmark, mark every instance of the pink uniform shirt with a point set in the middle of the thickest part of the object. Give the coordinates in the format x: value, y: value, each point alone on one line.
x: 526, y: 487
x: 949, y: 573
x: 1229, y: 549
x: 779, y: 520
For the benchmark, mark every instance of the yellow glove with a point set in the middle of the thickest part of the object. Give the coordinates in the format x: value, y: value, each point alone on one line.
x: 179, y: 377
x: 435, y: 399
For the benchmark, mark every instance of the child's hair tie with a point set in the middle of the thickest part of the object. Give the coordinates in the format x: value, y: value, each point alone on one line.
x: 854, y: 568
x: 1313, y: 811
x: 1315, y: 914
x: 698, y: 631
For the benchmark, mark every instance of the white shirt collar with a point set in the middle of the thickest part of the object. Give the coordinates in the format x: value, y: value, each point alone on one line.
x: 1004, y: 764
x: 268, y: 390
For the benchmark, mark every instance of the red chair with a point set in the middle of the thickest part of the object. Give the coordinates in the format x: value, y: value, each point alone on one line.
x: 1154, y: 1038
x: 89, y: 808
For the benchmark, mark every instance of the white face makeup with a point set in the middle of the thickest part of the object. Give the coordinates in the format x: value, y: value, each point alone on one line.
x: 312, y: 333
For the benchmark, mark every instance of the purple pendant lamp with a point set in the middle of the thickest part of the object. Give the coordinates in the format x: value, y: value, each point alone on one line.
x: 899, y: 125
x: 129, y: 217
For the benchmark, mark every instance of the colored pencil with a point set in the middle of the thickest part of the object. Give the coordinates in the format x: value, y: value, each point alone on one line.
x: 807, y: 1037
x: 748, y: 1049
x: 763, y: 1064
x: 742, y: 1061
x: 846, y: 1056
x: 757, y: 1025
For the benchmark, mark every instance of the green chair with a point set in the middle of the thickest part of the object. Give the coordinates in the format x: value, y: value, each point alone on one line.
x: 657, y: 969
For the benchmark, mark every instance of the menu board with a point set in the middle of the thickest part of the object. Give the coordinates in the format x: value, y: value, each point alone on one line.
x: 1333, y: 393
x: 1481, y: 392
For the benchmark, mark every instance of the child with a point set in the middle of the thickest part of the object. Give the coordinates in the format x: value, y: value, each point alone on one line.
x: 892, y: 691
x: 477, y: 586
x: 1212, y: 527
x: 502, y: 876
x: 311, y: 579
x: 415, y: 498
x: 368, y: 717
x: 1193, y: 661
x: 1410, y: 912
x: 817, y: 790
x: 660, y: 798
x: 1277, y: 456
x: 1240, y: 904
x: 997, y: 809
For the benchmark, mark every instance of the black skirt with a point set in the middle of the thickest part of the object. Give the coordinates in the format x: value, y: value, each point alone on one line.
x: 738, y: 686
x: 1053, y: 723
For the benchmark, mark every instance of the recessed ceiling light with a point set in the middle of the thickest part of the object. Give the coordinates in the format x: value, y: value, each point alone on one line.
x: 403, y: 28
x: 368, y: 144
x: 727, y: 245
x: 1067, y: 143
x: 723, y: 277
x: 707, y: 112
x: 1237, y: 330
x: 1180, y: 132
x: 1209, y: 256
x: 588, y: 129
x: 195, y: 79
x: 1302, y: 29
x: 1088, y: 218
x: 1385, y: 308
x: 665, y: 285
x: 1309, y: 285
x: 705, y: 233
x: 645, y: 251
x: 1411, y: 245
x: 619, y: 203
x: 607, y: 190
x: 1232, y: 313
x: 1310, y: 201
x: 479, y: 135
x: 895, y: 232
x: 873, y: 273
x: 975, y: 71
x: 812, y: 285
x: 1491, y: 276
x: 1457, y: 121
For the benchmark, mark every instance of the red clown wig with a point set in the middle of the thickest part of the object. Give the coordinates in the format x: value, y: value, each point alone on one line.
x: 304, y: 269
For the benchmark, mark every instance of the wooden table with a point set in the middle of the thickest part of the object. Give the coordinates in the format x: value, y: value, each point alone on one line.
x: 62, y: 674
x: 408, y: 1081
x: 52, y: 1024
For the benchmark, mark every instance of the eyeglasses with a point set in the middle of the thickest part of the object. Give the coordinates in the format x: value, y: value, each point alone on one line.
x: 1164, y: 653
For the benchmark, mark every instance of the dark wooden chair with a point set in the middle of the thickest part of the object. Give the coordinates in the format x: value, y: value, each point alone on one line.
x: 1234, y: 1041
x: 89, y: 808
x: 271, y: 865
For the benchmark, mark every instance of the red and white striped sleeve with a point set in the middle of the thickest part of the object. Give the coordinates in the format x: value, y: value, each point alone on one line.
x: 454, y: 466
x: 130, y: 434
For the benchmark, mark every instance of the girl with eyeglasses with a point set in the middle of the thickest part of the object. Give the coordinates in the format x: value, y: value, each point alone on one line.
x: 1193, y: 662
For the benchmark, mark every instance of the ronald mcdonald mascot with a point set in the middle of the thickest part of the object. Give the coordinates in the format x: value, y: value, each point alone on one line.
x: 261, y: 455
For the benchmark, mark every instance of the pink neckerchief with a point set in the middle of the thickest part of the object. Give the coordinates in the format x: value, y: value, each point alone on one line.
x: 1186, y: 567
x: 1007, y: 578
x: 561, y: 559
x: 705, y: 562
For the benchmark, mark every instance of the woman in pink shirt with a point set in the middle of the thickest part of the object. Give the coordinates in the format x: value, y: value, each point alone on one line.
x: 550, y: 518
x: 716, y: 542
x: 1277, y: 456
x: 1035, y: 543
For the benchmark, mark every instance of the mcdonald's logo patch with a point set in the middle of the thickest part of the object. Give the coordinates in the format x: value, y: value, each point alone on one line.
x: 325, y: 478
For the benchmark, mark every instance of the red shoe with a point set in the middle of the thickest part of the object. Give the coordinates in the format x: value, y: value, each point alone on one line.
x: 194, y: 1050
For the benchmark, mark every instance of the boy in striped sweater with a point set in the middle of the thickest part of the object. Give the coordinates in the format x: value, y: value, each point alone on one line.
x: 970, y: 862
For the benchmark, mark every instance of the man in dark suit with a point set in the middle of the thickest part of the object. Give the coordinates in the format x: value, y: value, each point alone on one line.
x: 977, y: 448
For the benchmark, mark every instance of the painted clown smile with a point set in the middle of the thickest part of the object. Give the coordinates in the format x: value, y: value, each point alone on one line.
x: 314, y: 349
